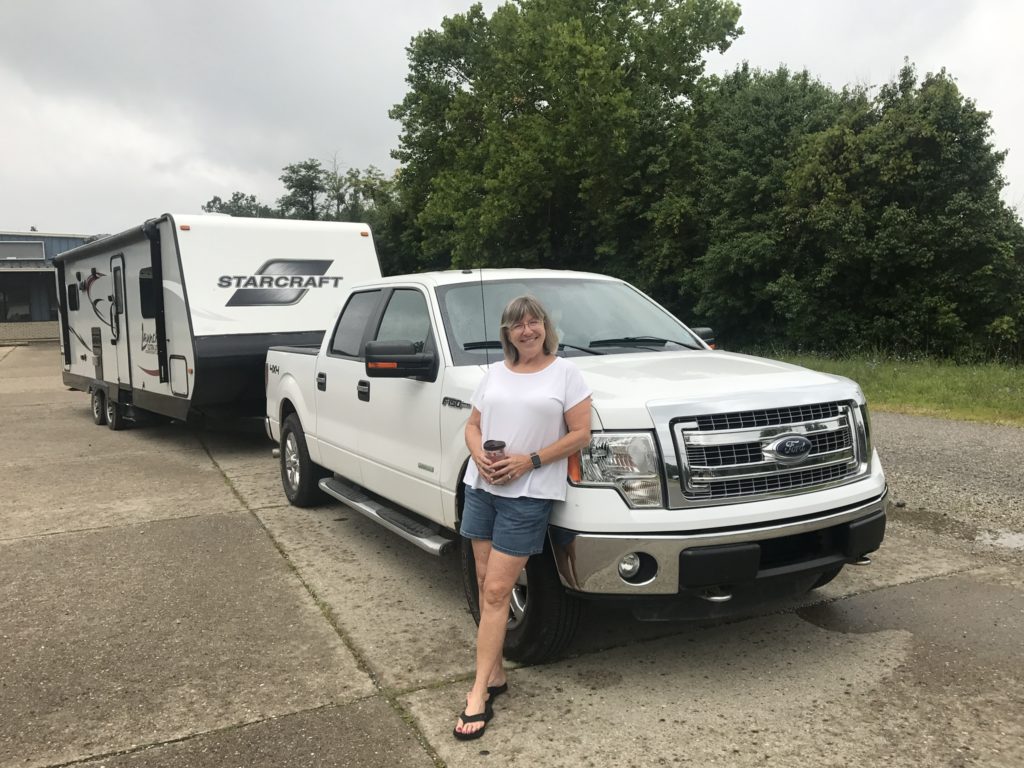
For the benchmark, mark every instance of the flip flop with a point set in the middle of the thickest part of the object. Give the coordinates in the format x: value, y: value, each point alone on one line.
x: 494, y: 691
x: 483, y: 717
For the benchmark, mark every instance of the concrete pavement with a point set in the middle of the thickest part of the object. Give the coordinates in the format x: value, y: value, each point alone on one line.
x: 161, y: 604
x: 147, y: 617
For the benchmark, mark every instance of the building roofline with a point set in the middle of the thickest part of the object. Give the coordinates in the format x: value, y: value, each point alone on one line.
x: 41, y: 234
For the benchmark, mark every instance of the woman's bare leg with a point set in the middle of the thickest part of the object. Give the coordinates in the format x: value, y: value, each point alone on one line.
x: 481, y: 552
x: 500, y: 577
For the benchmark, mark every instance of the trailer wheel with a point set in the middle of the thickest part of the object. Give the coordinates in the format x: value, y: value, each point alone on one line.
x: 99, y: 407
x: 826, y: 577
x: 542, y: 617
x: 115, y: 415
x: 300, y: 477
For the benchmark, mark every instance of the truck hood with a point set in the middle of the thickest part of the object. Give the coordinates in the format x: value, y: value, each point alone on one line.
x: 628, y: 387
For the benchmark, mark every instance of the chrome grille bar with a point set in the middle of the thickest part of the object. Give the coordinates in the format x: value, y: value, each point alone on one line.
x: 804, y: 479
x: 731, y: 437
x: 766, y: 468
x: 765, y: 418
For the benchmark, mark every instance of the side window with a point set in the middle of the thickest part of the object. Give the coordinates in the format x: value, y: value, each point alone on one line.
x: 147, y: 294
x: 118, y: 292
x: 348, y: 336
x: 72, y: 297
x: 406, y: 319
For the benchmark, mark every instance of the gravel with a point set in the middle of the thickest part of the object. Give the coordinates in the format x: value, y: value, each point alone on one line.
x: 954, y: 477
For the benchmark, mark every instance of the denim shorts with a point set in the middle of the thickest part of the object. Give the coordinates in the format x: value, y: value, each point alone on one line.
x: 514, y: 526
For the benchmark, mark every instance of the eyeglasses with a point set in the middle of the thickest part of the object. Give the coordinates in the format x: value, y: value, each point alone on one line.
x: 533, y: 325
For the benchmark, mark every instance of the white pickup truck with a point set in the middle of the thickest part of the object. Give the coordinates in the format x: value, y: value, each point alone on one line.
x: 709, y: 475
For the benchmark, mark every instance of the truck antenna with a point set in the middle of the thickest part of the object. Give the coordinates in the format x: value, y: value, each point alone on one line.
x: 483, y: 314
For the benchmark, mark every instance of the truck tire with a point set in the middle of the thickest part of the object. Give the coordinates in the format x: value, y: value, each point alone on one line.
x: 826, y: 577
x: 542, y: 618
x: 98, y: 401
x: 115, y: 415
x: 300, y: 477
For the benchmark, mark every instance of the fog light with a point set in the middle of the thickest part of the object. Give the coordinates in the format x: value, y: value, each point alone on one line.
x: 629, y: 565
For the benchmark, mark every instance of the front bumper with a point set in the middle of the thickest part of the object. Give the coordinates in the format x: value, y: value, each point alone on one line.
x: 588, y: 563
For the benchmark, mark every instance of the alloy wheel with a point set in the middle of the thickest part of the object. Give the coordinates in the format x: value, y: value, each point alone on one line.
x: 291, y: 460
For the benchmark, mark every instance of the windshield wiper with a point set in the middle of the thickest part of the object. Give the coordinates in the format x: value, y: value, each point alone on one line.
x: 489, y: 344
x: 639, y: 341
x: 563, y: 345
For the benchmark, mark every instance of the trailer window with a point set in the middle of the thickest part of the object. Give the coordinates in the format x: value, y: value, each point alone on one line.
x: 147, y: 293
x: 72, y: 297
x: 118, y: 292
x: 351, y: 330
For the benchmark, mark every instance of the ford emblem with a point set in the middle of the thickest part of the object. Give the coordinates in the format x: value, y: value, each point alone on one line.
x: 789, y: 449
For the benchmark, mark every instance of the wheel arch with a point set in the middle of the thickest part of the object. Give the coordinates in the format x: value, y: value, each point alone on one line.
x: 287, y: 409
x: 460, y: 493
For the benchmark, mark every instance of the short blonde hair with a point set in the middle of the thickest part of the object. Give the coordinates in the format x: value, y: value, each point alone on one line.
x: 515, y: 311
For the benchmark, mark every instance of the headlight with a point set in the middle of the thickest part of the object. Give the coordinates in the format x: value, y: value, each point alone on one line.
x: 866, y: 418
x: 626, y: 461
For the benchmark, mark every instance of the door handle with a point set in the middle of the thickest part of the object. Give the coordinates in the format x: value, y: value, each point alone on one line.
x: 321, y: 382
x: 363, y: 390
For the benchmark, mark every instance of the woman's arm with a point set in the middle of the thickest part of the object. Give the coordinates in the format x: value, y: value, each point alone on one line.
x: 577, y: 420
x: 474, y: 441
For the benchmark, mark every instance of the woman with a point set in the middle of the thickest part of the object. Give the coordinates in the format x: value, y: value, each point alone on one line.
x: 539, y: 405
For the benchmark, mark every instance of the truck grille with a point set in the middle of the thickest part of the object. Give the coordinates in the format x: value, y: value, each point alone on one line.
x: 724, y: 457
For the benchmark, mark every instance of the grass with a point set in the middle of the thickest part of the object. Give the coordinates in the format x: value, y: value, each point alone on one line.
x: 987, y: 392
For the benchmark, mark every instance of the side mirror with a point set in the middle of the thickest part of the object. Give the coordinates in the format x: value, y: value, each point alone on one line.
x: 707, y: 334
x: 399, y: 360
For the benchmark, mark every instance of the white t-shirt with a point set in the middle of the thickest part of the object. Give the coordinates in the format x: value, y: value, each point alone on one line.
x: 527, y: 411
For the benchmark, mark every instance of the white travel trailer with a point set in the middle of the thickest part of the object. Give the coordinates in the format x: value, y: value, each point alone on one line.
x: 175, y: 316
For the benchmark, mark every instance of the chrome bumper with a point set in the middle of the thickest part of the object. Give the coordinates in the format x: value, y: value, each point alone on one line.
x: 588, y: 563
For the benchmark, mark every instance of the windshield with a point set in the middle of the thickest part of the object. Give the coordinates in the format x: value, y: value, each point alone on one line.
x: 591, y: 317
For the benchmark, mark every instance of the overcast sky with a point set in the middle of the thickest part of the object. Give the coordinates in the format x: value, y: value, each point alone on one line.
x: 114, y: 111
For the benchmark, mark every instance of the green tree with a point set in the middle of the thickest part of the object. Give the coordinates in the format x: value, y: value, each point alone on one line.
x: 240, y: 204
x: 330, y: 194
x: 306, y: 186
x: 896, y: 231
x: 747, y: 128
x: 539, y: 135
x: 372, y: 198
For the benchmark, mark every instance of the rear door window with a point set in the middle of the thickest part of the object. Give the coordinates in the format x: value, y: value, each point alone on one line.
x: 350, y: 333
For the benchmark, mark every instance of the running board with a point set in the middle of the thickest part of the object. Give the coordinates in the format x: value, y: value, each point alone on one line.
x: 426, y: 536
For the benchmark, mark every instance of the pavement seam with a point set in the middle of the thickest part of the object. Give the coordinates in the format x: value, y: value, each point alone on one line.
x: 48, y: 534
x: 362, y: 663
x: 212, y: 732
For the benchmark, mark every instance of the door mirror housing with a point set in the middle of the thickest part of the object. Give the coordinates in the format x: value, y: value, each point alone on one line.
x: 399, y: 360
x: 707, y: 335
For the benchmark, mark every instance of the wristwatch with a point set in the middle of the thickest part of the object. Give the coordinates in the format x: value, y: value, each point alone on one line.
x: 535, y: 459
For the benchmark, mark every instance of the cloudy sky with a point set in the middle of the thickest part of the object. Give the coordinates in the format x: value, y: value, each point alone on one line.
x: 114, y: 111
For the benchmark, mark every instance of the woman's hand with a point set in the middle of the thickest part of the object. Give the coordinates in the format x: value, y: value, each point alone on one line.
x: 474, y: 441
x: 511, y: 468
x: 483, y: 465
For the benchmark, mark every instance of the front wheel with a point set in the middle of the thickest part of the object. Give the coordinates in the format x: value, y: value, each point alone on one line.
x: 300, y: 477
x: 542, y: 616
x: 99, y: 407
